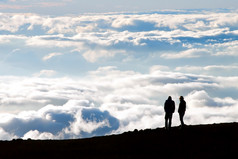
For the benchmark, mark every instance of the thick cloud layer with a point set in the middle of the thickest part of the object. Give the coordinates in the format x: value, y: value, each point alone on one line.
x: 185, y: 41
x: 109, y: 101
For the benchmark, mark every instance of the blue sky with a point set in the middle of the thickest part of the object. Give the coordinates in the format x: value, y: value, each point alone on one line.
x: 97, y: 68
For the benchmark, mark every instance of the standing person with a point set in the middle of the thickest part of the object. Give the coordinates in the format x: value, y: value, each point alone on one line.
x: 181, y: 110
x: 169, y: 107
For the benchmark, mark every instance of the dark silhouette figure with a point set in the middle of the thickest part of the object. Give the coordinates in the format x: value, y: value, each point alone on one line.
x: 169, y: 107
x: 181, y: 110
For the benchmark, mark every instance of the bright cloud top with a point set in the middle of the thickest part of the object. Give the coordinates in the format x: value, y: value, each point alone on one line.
x: 109, y: 101
x: 172, y: 38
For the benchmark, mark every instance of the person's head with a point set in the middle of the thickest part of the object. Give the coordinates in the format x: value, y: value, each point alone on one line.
x: 181, y: 98
x: 169, y: 98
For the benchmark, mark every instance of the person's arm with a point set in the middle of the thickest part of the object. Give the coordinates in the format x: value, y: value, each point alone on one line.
x: 173, y: 106
x: 185, y: 106
x: 166, y: 106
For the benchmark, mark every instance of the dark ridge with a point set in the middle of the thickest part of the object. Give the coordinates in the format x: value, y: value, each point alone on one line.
x: 200, y: 141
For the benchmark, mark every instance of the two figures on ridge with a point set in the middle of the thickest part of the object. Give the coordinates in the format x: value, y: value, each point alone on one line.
x: 169, y: 108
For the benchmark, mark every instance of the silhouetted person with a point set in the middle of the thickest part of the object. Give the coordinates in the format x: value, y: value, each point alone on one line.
x: 181, y: 109
x: 169, y: 107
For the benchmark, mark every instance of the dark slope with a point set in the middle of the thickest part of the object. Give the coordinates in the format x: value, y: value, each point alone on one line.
x: 202, y: 141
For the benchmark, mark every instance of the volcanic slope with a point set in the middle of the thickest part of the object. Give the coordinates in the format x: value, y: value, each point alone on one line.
x: 198, y: 141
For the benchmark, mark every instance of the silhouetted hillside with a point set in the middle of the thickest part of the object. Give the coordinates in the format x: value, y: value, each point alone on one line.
x: 201, y: 141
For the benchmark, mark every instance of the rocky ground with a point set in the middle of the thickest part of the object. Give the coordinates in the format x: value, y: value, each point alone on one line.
x: 200, y: 141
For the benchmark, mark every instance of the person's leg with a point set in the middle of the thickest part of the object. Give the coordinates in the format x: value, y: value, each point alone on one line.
x: 166, y: 121
x: 170, y: 120
x: 181, y: 118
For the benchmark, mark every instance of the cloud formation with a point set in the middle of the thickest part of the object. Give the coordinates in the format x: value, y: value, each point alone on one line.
x: 190, y: 53
x: 97, y: 37
x: 51, y: 55
x: 109, y: 101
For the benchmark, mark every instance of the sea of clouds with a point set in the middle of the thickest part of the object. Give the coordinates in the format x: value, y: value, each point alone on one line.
x: 177, y: 34
x: 140, y: 59
x: 109, y: 101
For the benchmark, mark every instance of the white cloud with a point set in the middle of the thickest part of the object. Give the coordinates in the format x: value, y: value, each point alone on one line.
x: 123, y: 20
x: 48, y: 41
x: 109, y: 101
x: 228, y: 51
x: 10, y: 38
x: 202, y: 99
x: 106, y: 35
x: 221, y: 70
x: 37, y: 135
x: 228, y: 81
x: 45, y: 73
x: 6, y: 136
x: 159, y: 68
x: 212, y: 109
x: 67, y: 121
x: 190, y: 53
x: 94, y: 55
x: 51, y: 55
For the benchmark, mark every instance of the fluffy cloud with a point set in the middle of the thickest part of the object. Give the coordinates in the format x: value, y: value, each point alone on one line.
x: 222, y: 70
x: 51, y: 55
x: 6, y: 136
x: 213, y: 109
x: 68, y: 121
x: 105, y: 35
x: 227, y: 49
x: 94, y: 55
x: 46, y: 73
x: 109, y: 101
x: 191, y: 53
x: 38, y: 136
